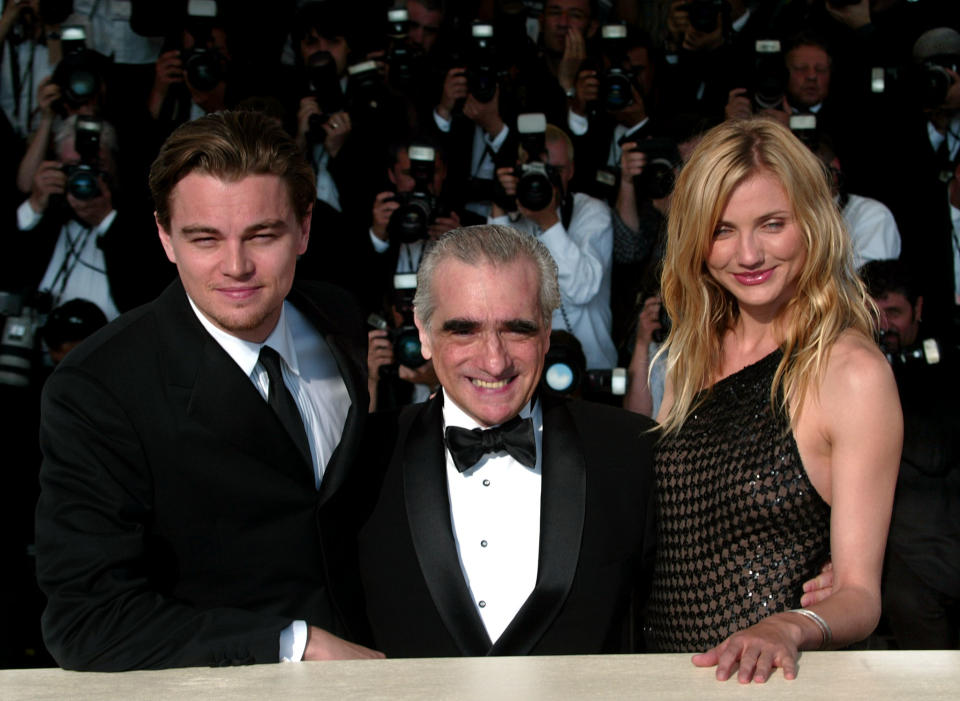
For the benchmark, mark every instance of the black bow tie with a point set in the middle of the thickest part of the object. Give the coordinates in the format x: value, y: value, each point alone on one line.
x: 515, y: 437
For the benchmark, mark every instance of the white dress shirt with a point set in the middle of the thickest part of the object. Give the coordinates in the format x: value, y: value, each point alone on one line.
x: 310, y: 373
x: 873, y: 230
x: 495, y: 512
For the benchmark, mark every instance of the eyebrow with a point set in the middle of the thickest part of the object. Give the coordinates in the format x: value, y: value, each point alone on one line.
x: 762, y: 217
x: 469, y: 325
x: 253, y: 228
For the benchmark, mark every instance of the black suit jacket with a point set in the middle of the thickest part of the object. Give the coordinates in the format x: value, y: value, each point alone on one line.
x: 595, y: 537
x: 178, y: 524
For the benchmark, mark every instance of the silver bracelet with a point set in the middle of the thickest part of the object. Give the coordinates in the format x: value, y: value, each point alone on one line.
x: 825, y: 632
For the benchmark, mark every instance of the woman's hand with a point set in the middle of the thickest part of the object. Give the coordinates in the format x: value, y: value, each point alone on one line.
x: 756, y: 651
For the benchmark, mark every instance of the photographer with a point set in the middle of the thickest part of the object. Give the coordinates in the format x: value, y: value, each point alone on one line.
x: 397, y: 373
x: 403, y: 219
x: 30, y: 45
x: 804, y: 89
x: 194, y: 74
x: 472, y: 126
x: 921, y: 586
x: 576, y: 228
x: 701, y: 58
x: 71, y: 240
x: 611, y: 105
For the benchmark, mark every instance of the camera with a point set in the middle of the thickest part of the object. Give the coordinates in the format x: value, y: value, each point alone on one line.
x: 23, y: 316
x: 658, y: 176
x: 932, y: 81
x: 81, y: 72
x: 403, y: 59
x: 324, y: 85
x: 82, y: 177
x: 769, y: 79
x: 482, y: 73
x: 703, y: 14
x: 565, y: 372
x: 927, y: 353
x: 364, y: 87
x: 204, y: 67
x: 405, y: 338
x: 535, y: 178
x: 418, y: 208
x: 616, y: 83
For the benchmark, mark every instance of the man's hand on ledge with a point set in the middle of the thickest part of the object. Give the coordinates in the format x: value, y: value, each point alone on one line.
x: 322, y: 645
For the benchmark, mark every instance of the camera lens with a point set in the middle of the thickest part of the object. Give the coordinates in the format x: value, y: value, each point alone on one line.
x: 560, y: 377
x: 406, y: 348
x: 410, y: 221
x: 203, y: 69
x: 82, y: 182
x: 616, y: 90
x: 534, y: 190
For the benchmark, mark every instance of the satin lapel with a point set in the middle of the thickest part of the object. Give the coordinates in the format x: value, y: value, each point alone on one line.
x: 349, y: 446
x: 428, y: 511
x: 225, y: 401
x: 562, y: 508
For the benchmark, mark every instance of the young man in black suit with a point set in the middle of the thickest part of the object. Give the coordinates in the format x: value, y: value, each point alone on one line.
x: 192, y: 448
x: 526, y: 538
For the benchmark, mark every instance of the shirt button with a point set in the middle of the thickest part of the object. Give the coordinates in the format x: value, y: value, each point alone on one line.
x: 483, y: 543
x: 486, y: 483
x: 482, y: 604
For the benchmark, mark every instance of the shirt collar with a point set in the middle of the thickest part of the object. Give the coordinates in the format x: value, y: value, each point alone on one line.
x: 246, y: 353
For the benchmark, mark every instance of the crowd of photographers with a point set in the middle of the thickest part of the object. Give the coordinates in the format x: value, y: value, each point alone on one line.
x: 565, y: 118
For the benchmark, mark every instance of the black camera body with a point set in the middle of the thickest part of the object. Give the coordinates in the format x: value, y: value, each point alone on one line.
x: 565, y: 372
x: 932, y: 81
x: 323, y: 83
x: 482, y: 72
x: 81, y: 72
x: 405, y: 61
x: 82, y: 177
x: 204, y: 66
x: 418, y: 209
x: 616, y: 82
x: 768, y: 81
x: 405, y: 338
x: 536, y: 179
x: 659, y: 174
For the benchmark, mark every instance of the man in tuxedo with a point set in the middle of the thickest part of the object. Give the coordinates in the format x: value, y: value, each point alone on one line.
x: 505, y: 524
x: 194, y: 447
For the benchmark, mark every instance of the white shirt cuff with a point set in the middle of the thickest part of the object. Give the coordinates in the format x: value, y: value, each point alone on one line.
x: 379, y: 245
x: 26, y: 217
x: 293, y: 642
x: 578, y: 123
x: 442, y: 124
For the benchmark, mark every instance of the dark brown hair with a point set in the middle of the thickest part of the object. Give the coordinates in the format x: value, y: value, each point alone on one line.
x: 231, y: 146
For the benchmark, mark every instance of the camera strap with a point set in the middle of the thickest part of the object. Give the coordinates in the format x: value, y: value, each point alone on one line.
x: 19, y: 79
x: 71, y: 258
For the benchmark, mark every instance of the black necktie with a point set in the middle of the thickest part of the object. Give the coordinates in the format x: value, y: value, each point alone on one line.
x: 515, y: 437
x: 281, y: 400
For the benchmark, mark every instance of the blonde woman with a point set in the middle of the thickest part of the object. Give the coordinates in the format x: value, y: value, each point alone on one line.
x: 781, y: 426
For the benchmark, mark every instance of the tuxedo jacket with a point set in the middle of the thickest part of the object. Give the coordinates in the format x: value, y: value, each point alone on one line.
x: 596, y: 535
x: 178, y: 524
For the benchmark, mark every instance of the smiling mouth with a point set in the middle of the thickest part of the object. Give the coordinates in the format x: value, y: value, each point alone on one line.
x: 754, y: 277
x: 487, y: 384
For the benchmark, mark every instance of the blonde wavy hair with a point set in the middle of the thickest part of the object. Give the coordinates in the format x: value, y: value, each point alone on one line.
x: 829, y: 299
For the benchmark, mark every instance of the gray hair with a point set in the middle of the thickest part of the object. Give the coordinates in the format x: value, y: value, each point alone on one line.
x: 486, y: 243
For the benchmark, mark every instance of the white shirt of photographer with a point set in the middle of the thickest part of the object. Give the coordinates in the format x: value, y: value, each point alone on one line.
x: 495, y: 512
x: 77, y: 268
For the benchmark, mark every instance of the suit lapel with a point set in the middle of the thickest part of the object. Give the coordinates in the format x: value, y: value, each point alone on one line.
x: 562, y: 508
x: 219, y: 396
x: 428, y: 510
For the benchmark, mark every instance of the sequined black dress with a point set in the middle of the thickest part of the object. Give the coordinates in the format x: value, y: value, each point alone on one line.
x: 740, y: 526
